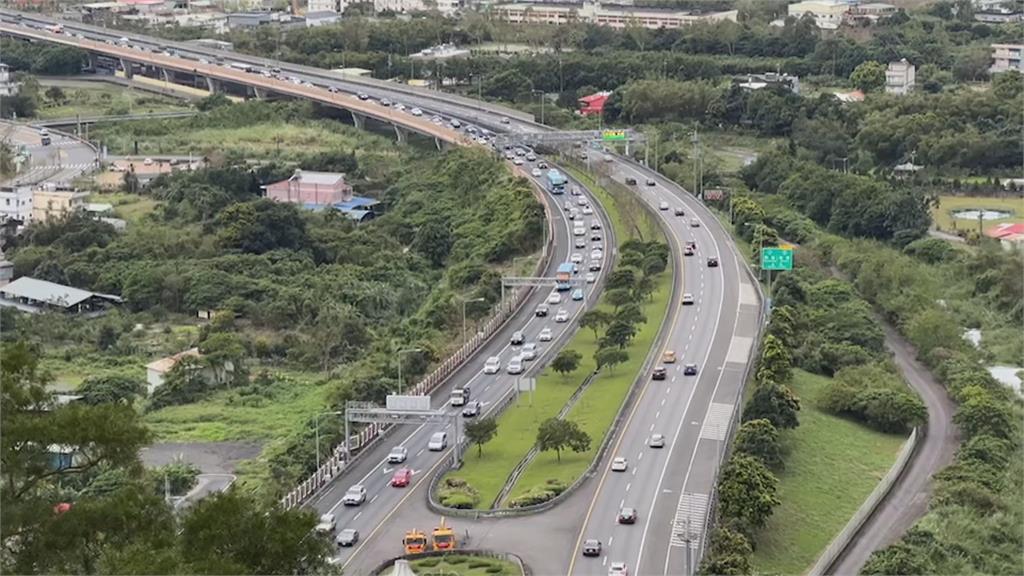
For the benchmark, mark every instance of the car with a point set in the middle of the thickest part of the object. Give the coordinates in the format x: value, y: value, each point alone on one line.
x: 650, y: 182
x: 607, y: 157
x: 576, y: 258
x: 398, y: 455
x: 627, y: 516
x: 579, y: 243
x: 562, y: 315
x: 517, y: 161
x: 355, y: 496
x: 363, y: 96
x: 455, y: 123
x: 567, y: 205
x: 545, y: 335
x: 541, y: 311
x: 536, y: 173
x: 504, y: 120
x: 575, y: 191
x: 416, y: 112
x: 492, y: 365
x: 657, y: 441
x: 327, y: 524
x: 437, y: 119
x: 471, y: 410
x: 385, y: 102
x: 694, y: 223
x: 595, y: 265
x: 520, y: 152
x: 591, y: 278
x: 471, y: 129
x: 691, y: 244
x: 531, y: 157
x: 577, y: 295
x: 680, y: 212
x: 690, y: 370
x: 595, y: 237
x: 438, y: 441
x: 517, y: 338
x: 347, y: 537
x: 619, y: 464
x: 663, y: 206
x: 688, y: 299
x: 688, y: 251
x: 400, y: 107
x: 574, y: 213
x: 668, y: 357
x: 591, y: 547
x: 515, y: 365
x: 587, y: 210
x: 581, y: 201
x: 542, y: 165
x: 332, y: 89
x: 618, y: 569
x: 554, y: 298
x: 659, y: 373
x: 595, y: 224
x: 712, y: 262
x: 578, y: 230
x: 596, y: 254
x: 402, y: 477
x: 631, y: 181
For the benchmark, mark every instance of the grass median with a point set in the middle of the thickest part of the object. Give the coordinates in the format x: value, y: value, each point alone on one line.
x: 517, y: 425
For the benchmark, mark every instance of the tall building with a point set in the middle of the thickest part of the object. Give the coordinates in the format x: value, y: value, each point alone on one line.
x: 900, y: 77
x: 1007, y: 57
x: 8, y: 87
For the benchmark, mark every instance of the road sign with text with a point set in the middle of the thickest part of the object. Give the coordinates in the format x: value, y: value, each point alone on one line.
x: 613, y: 135
x: 776, y: 259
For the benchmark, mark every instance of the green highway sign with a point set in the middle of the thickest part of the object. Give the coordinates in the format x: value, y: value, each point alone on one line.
x: 776, y: 259
x: 613, y: 135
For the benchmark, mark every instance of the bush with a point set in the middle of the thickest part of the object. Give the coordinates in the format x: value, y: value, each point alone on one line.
x: 428, y: 562
x: 479, y: 564
x: 495, y: 570
x: 457, y: 493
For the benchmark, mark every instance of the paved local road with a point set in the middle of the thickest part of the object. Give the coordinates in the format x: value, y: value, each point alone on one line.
x: 60, y: 162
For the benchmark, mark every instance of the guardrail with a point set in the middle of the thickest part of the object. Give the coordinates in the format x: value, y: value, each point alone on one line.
x: 620, y: 417
x: 839, y: 544
x: 116, y: 118
x: 368, y: 436
x: 507, y: 556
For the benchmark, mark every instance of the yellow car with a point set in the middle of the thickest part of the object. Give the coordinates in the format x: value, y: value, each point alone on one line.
x: 669, y: 357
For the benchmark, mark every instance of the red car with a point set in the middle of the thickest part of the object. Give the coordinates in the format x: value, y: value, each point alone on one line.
x: 401, y: 478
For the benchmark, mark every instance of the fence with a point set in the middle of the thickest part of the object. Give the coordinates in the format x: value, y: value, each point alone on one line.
x: 840, y: 543
x: 358, y: 443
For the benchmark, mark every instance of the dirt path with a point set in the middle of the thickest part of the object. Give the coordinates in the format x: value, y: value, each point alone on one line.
x: 210, y: 457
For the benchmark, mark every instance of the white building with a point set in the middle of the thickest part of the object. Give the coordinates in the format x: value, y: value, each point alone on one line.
x: 446, y: 7
x: 827, y: 14
x: 322, y: 6
x: 16, y: 203
x: 900, y: 77
x: 8, y: 87
x: 615, y: 16
x: 1007, y: 57
x: 157, y: 370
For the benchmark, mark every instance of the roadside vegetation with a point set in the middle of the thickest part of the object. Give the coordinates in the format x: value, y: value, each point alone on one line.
x: 101, y: 100
x: 458, y: 565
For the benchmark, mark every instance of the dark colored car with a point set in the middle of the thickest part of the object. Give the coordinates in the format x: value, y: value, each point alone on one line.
x: 471, y: 409
x: 627, y: 516
x: 687, y: 251
x: 631, y: 181
x: 680, y: 212
x: 592, y: 547
x: 541, y: 310
x: 659, y: 373
x: 347, y: 537
x: 690, y: 370
x: 713, y: 262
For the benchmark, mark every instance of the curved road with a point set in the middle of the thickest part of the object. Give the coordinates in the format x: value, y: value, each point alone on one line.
x: 62, y: 161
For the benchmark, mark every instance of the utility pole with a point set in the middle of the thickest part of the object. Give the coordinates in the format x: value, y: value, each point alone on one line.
x: 696, y: 170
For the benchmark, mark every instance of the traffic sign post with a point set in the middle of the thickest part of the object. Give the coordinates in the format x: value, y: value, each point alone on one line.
x: 613, y: 135
x: 779, y: 258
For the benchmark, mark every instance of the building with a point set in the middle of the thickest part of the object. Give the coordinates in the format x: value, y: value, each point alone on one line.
x: 441, y: 52
x: 1007, y: 57
x: 998, y: 11
x: 759, y: 81
x: 613, y: 15
x: 315, y: 188
x: 593, y: 105
x: 321, y: 6
x: 244, y: 20
x: 849, y: 97
x: 321, y: 18
x: 827, y: 14
x: 870, y: 11
x: 1011, y: 236
x: 900, y: 77
x: 6, y: 271
x: 50, y: 201
x: 8, y: 87
x: 157, y: 370
x: 16, y: 203
x: 35, y: 296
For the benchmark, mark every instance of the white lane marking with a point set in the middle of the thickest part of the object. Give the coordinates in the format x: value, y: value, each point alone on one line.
x: 610, y: 540
x: 604, y: 561
x: 375, y: 496
x: 651, y: 428
x: 622, y: 503
x: 628, y: 486
x: 662, y: 401
x: 422, y: 450
x: 658, y: 415
x: 356, y: 517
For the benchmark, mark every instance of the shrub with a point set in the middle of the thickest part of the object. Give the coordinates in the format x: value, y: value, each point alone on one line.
x: 455, y: 492
x: 478, y: 564
x: 428, y: 562
x: 495, y: 570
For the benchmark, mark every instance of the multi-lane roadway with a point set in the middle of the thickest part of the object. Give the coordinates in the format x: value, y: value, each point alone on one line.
x: 63, y: 160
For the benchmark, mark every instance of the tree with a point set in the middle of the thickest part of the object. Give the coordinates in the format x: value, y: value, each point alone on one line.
x: 610, y: 357
x: 557, y: 435
x: 898, y: 559
x: 775, y: 364
x: 980, y: 414
x: 434, y: 240
x: 55, y: 94
x: 868, y: 76
x: 782, y: 326
x: 774, y: 402
x: 618, y: 296
x: 567, y: 361
x: 113, y: 389
x: 480, y: 432
x: 746, y: 493
x: 595, y: 319
x: 729, y: 554
x: 618, y: 334
x: 760, y: 439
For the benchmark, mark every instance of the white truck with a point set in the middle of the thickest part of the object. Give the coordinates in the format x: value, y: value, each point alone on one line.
x: 460, y: 396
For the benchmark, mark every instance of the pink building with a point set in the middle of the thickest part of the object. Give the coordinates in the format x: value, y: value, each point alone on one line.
x: 311, y: 188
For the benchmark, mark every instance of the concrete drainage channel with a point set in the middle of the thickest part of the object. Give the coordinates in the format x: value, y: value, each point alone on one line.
x: 631, y: 397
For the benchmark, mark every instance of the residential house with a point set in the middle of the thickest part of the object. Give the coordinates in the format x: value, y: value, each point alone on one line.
x: 35, y: 296
x: 1010, y: 236
x: 759, y: 81
x: 1007, y: 57
x: 827, y: 14
x: 307, y: 187
x: 900, y: 77
x: 8, y: 87
x: 321, y: 18
x: 54, y: 201
x: 998, y: 11
x: 157, y: 370
x: 16, y: 203
x: 869, y: 12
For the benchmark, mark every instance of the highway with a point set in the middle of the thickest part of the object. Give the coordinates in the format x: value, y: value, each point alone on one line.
x: 670, y: 486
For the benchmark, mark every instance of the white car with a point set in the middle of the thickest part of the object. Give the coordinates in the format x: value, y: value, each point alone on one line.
x: 545, y: 335
x: 567, y: 205
x: 581, y: 201
x: 687, y: 299
x: 536, y: 172
x: 400, y: 107
x: 580, y: 243
x: 517, y: 161
x: 694, y: 223
x: 587, y: 210
x: 619, y: 464
x: 327, y: 524
x: 663, y: 206
x: 529, y: 351
x: 579, y: 231
x: 554, y: 298
x: 515, y: 365
x: 355, y: 496
x: 596, y: 254
x: 618, y: 569
x: 595, y: 224
x: 591, y: 278
x: 492, y: 365
x: 576, y: 258
x: 562, y: 315
x: 416, y: 112
x: 398, y: 455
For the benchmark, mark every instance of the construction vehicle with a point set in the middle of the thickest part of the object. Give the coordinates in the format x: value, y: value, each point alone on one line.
x: 415, y: 542
x: 444, y: 537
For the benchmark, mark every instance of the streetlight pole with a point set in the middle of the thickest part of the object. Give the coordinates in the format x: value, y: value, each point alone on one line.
x: 464, y: 302
x: 317, y: 426
x: 399, y: 354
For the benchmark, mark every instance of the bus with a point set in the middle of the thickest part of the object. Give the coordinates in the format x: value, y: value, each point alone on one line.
x: 556, y: 182
x: 563, y: 276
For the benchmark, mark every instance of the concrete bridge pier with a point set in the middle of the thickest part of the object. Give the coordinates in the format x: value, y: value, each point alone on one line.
x: 127, y: 67
x: 167, y: 75
x: 401, y: 133
x: 213, y: 85
x: 359, y: 120
x: 259, y: 93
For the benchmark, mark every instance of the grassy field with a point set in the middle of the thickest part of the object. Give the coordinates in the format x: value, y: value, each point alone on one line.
x: 832, y: 464
x: 105, y: 101
x: 131, y: 207
x: 943, y: 214
x: 517, y: 426
x: 456, y: 565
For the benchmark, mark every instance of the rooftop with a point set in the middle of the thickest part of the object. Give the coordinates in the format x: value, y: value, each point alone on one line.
x: 50, y: 293
x: 1005, y: 230
x: 319, y: 178
x: 164, y: 365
